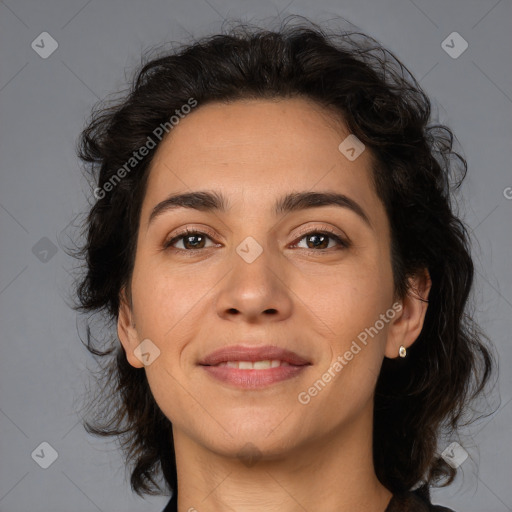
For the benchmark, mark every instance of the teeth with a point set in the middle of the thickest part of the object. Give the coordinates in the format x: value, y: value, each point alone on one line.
x: 260, y: 365
x: 257, y: 365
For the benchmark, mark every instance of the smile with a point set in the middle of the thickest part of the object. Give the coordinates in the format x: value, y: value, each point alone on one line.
x: 253, y: 374
x: 256, y: 365
x: 253, y: 367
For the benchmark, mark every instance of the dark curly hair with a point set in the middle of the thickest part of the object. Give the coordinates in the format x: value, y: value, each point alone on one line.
x: 414, y: 172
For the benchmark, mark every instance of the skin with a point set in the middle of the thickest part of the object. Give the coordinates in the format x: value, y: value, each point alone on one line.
x: 315, y: 302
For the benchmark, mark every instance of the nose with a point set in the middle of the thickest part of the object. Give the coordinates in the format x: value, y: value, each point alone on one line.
x: 255, y: 291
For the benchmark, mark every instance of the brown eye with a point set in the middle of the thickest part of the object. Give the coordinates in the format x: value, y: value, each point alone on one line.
x: 315, y: 240
x: 320, y: 240
x: 191, y: 240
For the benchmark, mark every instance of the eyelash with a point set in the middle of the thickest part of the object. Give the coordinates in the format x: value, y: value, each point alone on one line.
x: 343, y: 244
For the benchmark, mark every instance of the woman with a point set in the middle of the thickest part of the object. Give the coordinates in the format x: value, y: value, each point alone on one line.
x: 273, y: 237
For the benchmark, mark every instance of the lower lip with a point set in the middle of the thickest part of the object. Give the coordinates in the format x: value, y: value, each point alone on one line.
x: 254, y: 379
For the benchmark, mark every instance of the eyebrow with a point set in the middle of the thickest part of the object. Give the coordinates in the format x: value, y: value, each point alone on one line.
x: 208, y: 201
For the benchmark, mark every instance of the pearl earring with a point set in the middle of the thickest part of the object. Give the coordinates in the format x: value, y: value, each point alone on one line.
x: 402, y: 351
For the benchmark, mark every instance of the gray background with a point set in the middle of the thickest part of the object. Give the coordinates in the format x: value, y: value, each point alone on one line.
x: 44, y: 103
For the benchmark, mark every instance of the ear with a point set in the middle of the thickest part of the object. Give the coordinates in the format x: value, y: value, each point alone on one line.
x: 126, y: 330
x: 406, y: 326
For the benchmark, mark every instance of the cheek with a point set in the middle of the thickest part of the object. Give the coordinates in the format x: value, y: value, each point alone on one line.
x: 162, y: 301
x: 346, y: 300
x: 346, y: 379
x: 347, y: 311
x: 171, y: 397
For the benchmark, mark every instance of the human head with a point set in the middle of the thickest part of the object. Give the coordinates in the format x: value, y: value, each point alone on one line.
x: 352, y: 77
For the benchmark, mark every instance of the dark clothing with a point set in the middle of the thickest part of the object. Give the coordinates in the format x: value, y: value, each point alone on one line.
x: 413, y: 501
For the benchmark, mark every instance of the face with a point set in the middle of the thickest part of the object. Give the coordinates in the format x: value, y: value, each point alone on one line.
x: 310, y: 278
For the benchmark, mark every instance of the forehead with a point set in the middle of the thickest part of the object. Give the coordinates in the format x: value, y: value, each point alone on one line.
x: 258, y: 148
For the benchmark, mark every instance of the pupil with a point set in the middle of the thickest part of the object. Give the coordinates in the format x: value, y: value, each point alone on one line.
x: 318, y: 237
x: 192, y: 237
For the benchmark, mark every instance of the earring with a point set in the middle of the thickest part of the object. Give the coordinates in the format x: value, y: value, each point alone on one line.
x: 402, y: 351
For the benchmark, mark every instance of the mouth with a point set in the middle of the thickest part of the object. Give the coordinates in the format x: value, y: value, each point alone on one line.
x: 256, y: 365
x: 253, y: 367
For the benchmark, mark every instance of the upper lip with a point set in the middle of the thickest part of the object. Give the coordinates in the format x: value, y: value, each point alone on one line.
x: 252, y: 354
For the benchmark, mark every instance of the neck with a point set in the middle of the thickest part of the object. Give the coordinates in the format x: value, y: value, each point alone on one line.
x: 332, y: 473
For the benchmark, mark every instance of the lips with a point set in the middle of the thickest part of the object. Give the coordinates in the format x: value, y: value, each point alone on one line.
x: 253, y: 368
x: 239, y: 353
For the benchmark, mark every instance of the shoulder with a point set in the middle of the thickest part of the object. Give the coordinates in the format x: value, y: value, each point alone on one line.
x: 172, y: 505
x: 439, y: 508
x: 414, y: 501
x: 411, y: 501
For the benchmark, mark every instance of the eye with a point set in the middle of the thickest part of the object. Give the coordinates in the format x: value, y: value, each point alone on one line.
x: 192, y: 240
x: 316, y: 240
x: 319, y: 240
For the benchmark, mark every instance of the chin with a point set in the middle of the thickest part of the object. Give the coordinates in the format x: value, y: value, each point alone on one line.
x: 255, y: 438
x: 250, y: 450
